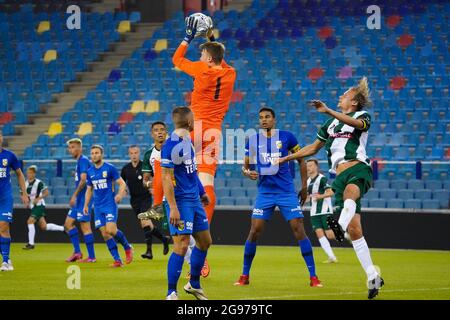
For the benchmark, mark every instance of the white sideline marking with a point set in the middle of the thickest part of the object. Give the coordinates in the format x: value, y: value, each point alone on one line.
x: 339, y: 293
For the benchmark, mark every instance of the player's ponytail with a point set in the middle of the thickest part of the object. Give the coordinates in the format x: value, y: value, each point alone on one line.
x: 362, y: 95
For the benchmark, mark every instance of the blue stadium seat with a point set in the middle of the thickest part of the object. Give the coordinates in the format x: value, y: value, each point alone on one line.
x: 252, y: 193
x: 237, y: 192
x: 222, y: 192
x: 377, y: 203
x: 395, y: 203
x: 372, y: 194
x: 433, y: 184
x: 416, y: 184
x: 413, y: 204
x: 234, y: 182
x: 430, y: 204
x: 443, y: 196
x: 242, y: 201
x: 398, y: 184
x: 388, y: 193
x: 57, y: 182
x: 227, y: 201
x: 405, y: 194
x: 422, y: 194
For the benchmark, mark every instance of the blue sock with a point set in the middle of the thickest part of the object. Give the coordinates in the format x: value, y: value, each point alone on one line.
x: 174, y: 267
x: 5, y: 245
x: 89, y: 240
x: 249, y: 254
x: 307, y: 253
x: 197, y: 261
x: 112, y: 247
x: 120, y: 238
x: 73, y: 234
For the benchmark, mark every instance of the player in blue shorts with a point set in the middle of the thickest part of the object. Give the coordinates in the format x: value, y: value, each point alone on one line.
x: 186, y: 214
x: 75, y: 148
x: 8, y: 161
x: 101, y: 177
x: 275, y: 189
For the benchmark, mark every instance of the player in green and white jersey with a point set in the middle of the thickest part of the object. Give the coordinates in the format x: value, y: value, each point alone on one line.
x: 320, y: 193
x: 344, y: 137
x: 37, y: 191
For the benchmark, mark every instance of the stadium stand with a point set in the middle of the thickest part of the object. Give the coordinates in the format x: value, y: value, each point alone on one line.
x: 281, y: 61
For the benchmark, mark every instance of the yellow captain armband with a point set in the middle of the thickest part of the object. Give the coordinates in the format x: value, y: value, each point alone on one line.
x: 295, y: 149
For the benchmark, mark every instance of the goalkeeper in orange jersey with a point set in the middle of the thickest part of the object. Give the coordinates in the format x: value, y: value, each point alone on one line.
x: 213, y: 87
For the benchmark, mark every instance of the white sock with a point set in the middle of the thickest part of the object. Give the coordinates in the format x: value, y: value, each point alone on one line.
x: 325, y: 244
x: 347, y: 214
x: 31, y: 234
x: 187, y: 256
x: 363, y: 254
x: 54, y: 227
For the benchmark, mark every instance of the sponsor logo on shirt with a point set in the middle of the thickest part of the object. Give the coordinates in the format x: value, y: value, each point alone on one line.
x: 105, y: 174
x: 5, y: 162
x: 345, y: 135
x: 279, y: 144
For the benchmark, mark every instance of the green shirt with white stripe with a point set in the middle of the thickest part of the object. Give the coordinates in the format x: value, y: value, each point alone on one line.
x: 318, y: 185
x: 34, y: 190
x: 344, y: 143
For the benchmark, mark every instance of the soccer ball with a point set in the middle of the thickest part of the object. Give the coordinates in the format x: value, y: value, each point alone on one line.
x: 204, y: 24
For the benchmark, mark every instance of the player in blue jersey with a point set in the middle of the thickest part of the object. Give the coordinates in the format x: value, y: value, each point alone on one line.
x: 275, y: 189
x: 186, y: 214
x: 8, y: 161
x: 101, y: 177
x: 75, y: 148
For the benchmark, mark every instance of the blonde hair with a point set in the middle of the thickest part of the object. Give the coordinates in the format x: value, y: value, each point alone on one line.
x: 75, y: 140
x: 33, y: 168
x: 362, y: 93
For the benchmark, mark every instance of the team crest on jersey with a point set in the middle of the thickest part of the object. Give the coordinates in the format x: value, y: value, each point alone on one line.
x: 279, y: 144
x: 105, y: 174
x: 181, y: 225
x: 5, y: 162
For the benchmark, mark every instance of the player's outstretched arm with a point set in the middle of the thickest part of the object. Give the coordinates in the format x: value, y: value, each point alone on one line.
x: 23, y: 189
x: 87, y: 199
x: 352, y: 122
x: 307, y: 151
x: 303, y: 194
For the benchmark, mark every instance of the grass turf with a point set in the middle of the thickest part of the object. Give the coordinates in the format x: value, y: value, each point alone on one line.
x: 277, y: 273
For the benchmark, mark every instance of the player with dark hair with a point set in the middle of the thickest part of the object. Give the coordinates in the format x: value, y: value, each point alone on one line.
x: 275, y: 189
x: 141, y: 199
x: 320, y: 193
x: 186, y: 214
x: 101, y: 177
x: 37, y: 191
x: 344, y: 137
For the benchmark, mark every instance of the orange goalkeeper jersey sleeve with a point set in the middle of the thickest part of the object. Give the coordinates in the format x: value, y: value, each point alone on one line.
x: 213, y: 88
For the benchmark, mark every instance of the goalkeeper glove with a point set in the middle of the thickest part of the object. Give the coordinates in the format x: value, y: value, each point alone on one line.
x: 210, y: 35
x: 191, y: 29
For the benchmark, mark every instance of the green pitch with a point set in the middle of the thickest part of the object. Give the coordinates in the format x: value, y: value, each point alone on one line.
x: 277, y: 273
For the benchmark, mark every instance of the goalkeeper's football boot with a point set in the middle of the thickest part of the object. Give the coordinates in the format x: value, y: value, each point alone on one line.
x: 198, y: 293
x: 336, y: 228
x: 315, y: 282
x: 374, y: 286
x: 155, y: 213
x: 243, y: 281
x: 75, y: 257
x: 148, y: 255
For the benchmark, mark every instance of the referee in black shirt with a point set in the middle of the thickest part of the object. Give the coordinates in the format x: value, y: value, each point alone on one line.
x: 141, y: 200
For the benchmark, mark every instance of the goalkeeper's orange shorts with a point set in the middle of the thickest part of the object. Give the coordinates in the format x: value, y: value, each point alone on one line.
x: 206, y: 154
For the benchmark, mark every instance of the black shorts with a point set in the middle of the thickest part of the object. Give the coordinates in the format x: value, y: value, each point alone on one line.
x: 140, y: 204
